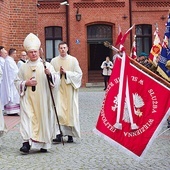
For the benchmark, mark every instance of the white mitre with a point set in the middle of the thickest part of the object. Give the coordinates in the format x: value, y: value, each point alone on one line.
x: 31, y: 42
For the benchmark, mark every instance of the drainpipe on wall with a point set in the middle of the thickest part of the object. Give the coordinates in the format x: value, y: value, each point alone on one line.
x: 67, y: 23
x: 130, y: 21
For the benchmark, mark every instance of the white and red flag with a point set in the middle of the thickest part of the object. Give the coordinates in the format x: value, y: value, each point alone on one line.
x: 126, y: 34
x: 156, y: 48
x: 133, y: 53
x: 119, y: 37
x: 138, y: 124
x: 133, y: 110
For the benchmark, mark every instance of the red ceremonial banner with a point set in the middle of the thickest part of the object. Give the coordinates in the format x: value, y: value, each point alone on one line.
x: 149, y: 101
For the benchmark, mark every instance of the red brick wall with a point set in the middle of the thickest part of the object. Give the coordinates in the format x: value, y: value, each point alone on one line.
x: 51, y: 15
x: 18, y: 18
x: 150, y: 12
x: 23, y: 20
x: 4, y: 23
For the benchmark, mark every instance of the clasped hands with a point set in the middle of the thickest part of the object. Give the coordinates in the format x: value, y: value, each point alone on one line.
x: 62, y: 71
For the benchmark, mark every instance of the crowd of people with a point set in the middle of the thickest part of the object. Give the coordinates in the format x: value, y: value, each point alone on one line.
x: 43, y: 94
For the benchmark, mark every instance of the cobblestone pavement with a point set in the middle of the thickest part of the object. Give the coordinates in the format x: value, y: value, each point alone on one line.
x: 88, y: 153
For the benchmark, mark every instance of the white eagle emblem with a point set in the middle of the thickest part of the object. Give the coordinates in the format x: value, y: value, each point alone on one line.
x: 137, y: 104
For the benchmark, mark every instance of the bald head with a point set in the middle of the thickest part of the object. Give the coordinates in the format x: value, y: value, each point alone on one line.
x: 23, y: 55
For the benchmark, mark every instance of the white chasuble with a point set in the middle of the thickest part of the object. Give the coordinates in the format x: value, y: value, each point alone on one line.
x: 9, y: 94
x: 2, y: 123
x: 38, y: 119
x: 67, y: 96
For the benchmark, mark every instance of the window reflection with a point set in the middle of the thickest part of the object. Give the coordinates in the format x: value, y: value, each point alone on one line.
x: 143, y: 38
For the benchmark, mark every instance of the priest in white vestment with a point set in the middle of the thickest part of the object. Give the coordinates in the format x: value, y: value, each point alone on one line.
x: 2, y: 123
x: 23, y: 59
x: 38, y: 119
x: 9, y: 93
x: 3, y: 55
x: 67, y: 97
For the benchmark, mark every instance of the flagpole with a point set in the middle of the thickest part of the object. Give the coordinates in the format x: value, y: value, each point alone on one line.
x: 52, y: 97
x: 151, y: 73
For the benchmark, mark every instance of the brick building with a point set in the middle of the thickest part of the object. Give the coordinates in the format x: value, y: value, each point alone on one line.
x: 55, y: 20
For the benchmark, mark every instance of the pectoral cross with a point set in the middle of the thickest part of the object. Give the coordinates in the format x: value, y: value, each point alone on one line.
x: 33, y: 77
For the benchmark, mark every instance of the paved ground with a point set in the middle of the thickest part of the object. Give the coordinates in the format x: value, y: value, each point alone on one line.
x: 88, y: 153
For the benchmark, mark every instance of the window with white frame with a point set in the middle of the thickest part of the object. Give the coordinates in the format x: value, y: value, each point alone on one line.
x: 143, y: 38
x: 53, y: 36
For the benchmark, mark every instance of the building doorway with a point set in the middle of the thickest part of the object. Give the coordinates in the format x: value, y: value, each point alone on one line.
x: 97, y: 34
x: 98, y: 53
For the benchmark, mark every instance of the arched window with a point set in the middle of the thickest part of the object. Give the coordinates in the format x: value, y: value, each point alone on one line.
x: 99, y: 32
x: 143, y: 38
x: 53, y: 35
